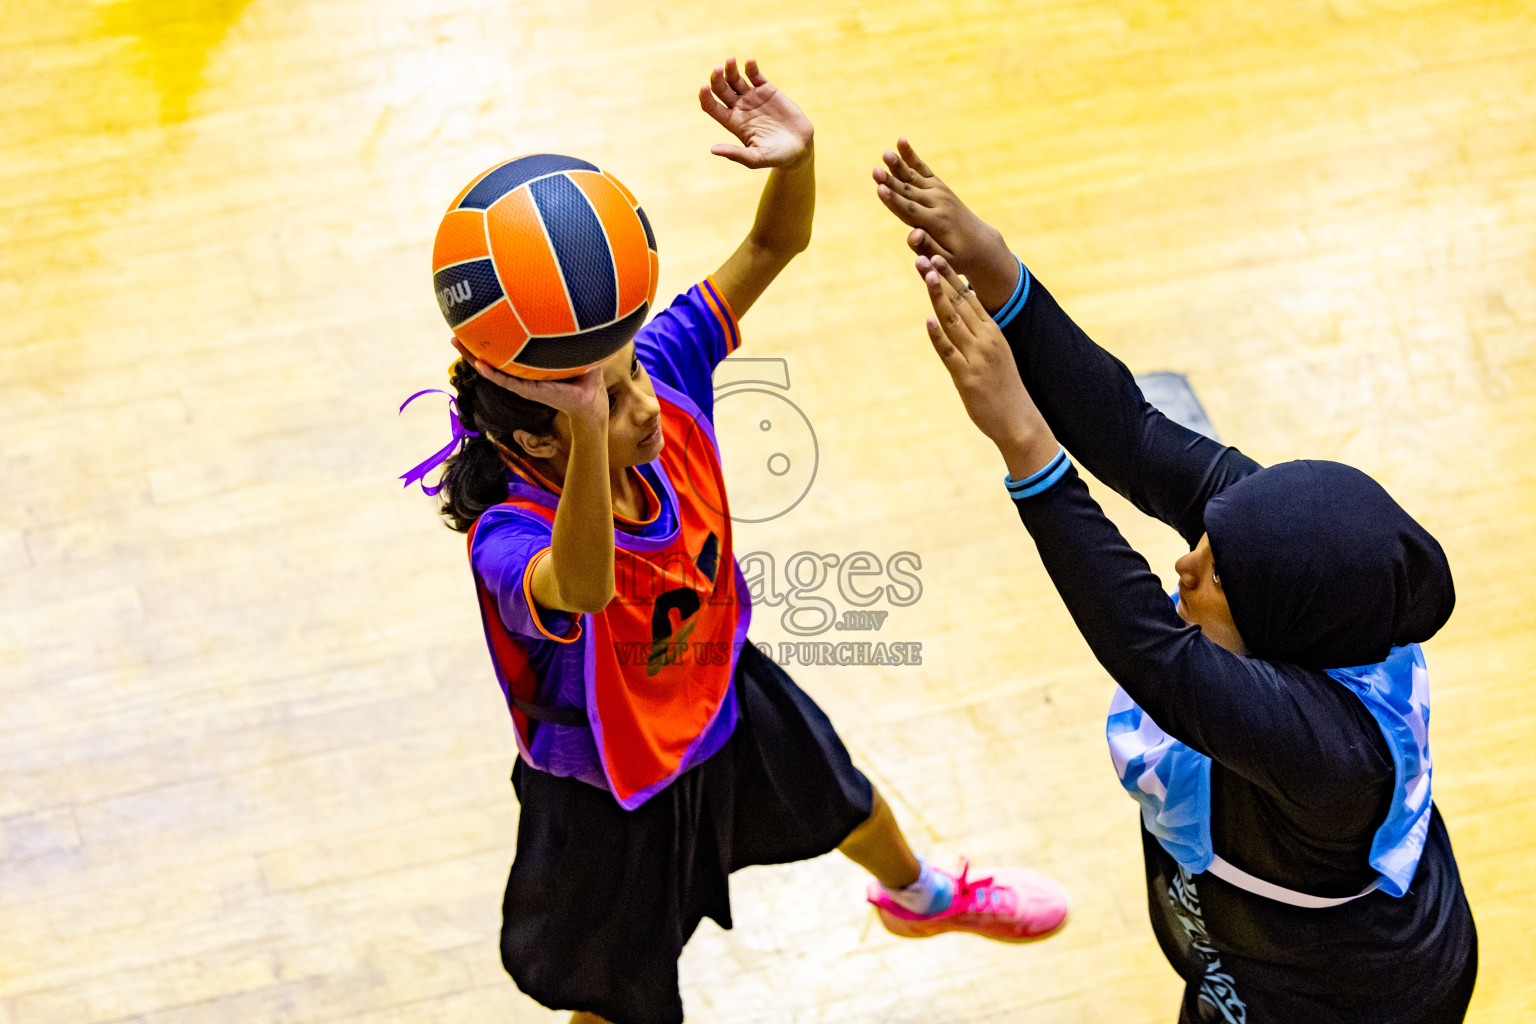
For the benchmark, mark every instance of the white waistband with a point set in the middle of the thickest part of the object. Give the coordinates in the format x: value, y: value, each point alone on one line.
x: 1229, y: 872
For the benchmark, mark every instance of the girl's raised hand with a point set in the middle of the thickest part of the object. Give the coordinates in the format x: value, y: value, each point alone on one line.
x: 583, y: 393
x: 978, y: 359
x: 772, y: 130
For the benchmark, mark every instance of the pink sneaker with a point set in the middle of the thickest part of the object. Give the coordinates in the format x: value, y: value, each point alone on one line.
x: 1009, y: 906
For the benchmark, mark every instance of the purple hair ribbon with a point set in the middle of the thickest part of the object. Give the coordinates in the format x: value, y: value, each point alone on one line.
x: 418, y: 473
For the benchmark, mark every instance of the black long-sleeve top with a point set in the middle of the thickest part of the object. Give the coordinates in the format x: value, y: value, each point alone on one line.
x: 1301, y: 774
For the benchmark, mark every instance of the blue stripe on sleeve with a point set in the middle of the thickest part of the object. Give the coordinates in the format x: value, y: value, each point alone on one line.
x: 1041, y: 481
x: 1039, y: 474
x: 1016, y: 301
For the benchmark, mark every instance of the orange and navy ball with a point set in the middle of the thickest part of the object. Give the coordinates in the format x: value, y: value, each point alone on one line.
x: 544, y: 265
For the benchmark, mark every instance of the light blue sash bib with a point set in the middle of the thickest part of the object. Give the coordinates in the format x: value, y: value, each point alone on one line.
x: 1172, y: 782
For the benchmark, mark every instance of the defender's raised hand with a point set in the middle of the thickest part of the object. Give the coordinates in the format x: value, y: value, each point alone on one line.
x: 942, y: 225
x: 981, y: 365
x: 772, y: 130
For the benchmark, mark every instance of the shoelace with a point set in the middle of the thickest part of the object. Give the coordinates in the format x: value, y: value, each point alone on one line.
x: 983, y: 893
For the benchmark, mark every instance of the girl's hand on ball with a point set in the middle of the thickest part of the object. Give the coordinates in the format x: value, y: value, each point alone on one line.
x: 579, y: 396
x: 978, y: 358
x: 773, y: 131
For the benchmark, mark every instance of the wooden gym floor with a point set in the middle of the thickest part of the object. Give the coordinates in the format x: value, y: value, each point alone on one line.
x: 253, y: 766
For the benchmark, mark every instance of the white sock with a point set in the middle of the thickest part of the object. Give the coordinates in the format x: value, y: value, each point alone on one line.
x: 930, y: 894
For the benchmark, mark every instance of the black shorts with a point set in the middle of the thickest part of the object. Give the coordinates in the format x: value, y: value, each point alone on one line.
x: 601, y: 900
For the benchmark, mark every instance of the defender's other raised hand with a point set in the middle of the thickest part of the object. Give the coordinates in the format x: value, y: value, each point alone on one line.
x: 944, y: 226
x: 981, y: 365
x: 772, y: 130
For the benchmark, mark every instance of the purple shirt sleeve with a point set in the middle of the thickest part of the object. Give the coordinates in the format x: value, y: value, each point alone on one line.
x: 683, y: 344
x: 507, y: 547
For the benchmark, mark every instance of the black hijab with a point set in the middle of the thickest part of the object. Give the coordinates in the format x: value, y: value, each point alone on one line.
x: 1323, y: 569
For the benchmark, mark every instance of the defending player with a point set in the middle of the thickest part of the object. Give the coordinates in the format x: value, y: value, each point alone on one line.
x: 1272, y: 720
x: 660, y: 751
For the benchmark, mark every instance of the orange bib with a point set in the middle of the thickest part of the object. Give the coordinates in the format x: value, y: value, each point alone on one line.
x: 659, y: 659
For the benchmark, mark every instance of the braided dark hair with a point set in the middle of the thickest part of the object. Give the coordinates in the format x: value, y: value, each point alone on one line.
x: 475, y: 476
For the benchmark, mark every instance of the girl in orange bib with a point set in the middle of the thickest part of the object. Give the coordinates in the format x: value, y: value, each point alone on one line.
x: 659, y: 750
